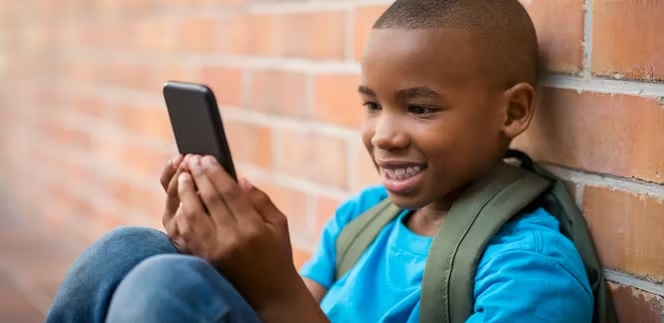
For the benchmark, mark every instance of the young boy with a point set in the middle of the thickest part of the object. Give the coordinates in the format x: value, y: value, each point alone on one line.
x: 447, y: 85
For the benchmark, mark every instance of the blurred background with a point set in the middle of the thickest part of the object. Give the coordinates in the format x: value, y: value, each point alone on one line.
x: 84, y: 132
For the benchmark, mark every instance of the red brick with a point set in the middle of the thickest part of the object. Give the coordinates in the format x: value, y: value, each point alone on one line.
x: 227, y: 84
x: 131, y: 156
x: 318, y: 35
x: 337, y: 100
x: 125, y: 75
x: 366, y: 173
x: 159, y: 74
x: 627, y: 230
x: 627, y: 38
x: 155, y: 35
x: 199, y: 34
x: 75, y: 206
x: 152, y: 122
x: 116, y: 215
x: 290, y: 202
x: 278, y: 92
x: 67, y: 170
x: 65, y: 134
x: 147, y: 220
x: 146, y: 161
x: 108, y: 35
x: 249, y: 34
x: 636, y: 306
x: 613, y: 134
x: 128, y: 194
x: 314, y: 156
x: 559, y: 26
x: 326, y: 208
x: 83, y: 71
x: 266, y: 38
x: 133, y: 7
x: 250, y: 143
x: 221, y: 2
x: 233, y: 36
x: 87, y: 106
x: 365, y: 17
x: 14, y: 305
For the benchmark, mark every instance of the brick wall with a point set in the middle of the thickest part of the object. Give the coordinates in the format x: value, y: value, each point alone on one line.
x: 84, y: 132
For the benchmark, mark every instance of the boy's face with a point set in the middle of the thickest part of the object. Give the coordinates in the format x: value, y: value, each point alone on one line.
x: 434, y: 124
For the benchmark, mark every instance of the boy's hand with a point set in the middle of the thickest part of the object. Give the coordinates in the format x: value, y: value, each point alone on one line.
x: 169, y: 182
x: 168, y: 173
x: 238, y: 229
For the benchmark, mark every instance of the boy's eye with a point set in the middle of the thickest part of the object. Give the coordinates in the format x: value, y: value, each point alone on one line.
x: 371, y: 106
x: 418, y: 109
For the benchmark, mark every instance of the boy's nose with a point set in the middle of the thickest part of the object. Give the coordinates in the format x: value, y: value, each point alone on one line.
x: 388, y: 135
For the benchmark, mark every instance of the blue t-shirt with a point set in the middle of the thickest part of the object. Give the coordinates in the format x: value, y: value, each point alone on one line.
x: 529, y: 272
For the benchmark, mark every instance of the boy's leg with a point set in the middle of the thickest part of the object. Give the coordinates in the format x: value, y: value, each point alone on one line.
x: 85, y: 294
x: 178, y: 288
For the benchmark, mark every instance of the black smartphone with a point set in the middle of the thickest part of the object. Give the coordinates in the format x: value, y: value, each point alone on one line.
x: 196, y: 122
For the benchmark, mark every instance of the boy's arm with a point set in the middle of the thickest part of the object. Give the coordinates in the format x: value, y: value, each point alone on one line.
x: 317, y: 290
x: 301, y: 307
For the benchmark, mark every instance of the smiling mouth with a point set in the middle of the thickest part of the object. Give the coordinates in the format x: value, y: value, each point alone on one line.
x: 402, y: 173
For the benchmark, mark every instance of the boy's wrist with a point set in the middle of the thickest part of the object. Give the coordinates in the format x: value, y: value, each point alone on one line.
x: 298, y: 305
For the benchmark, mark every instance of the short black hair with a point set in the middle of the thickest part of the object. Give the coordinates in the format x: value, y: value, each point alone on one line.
x: 506, y: 32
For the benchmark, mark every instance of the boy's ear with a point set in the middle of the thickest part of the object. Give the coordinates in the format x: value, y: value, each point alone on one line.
x: 519, y: 109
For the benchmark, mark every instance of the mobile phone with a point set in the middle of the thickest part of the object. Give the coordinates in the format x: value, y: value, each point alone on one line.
x: 196, y: 122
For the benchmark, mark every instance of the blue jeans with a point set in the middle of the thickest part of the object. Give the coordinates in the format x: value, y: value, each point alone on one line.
x: 135, y: 274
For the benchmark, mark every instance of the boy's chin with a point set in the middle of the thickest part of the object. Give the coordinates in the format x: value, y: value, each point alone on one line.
x: 407, y: 202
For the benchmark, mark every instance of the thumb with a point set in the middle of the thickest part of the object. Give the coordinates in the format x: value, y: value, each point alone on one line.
x: 245, y: 185
x: 262, y: 202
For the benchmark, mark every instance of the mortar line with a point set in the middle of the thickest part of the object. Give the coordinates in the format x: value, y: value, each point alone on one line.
x: 608, y: 181
x: 629, y: 280
x: 587, y: 39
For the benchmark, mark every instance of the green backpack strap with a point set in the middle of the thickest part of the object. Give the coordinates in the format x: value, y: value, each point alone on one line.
x: 573, y: 225
x: 357, y: 235
x: 447, y: 285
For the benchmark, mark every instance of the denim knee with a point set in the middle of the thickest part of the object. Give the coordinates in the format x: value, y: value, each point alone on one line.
x: 89, y: 284
x: 170, y: 288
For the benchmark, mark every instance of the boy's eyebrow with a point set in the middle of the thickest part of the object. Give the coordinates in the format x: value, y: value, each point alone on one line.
x: 366, y: 91
x: 415, y: 92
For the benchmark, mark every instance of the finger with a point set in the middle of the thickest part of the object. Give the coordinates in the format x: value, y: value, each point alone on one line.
x: 171, y: 228
x: 174, y: 236
x: 191, y: 204
x: 262, y: 203
x: 172, y: 198
x: 169, y: 170
x: 230, y: 191
x: 208, y: 193
x: 194, y: 222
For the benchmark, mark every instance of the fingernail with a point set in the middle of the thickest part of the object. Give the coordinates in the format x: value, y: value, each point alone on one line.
x: 245, y: 184
x: 209, y: 162
x: 195, y: 164
x: 173, y: 161
x: 184, y: 177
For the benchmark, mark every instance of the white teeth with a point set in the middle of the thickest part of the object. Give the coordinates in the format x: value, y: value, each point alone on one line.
x: 402, y: 173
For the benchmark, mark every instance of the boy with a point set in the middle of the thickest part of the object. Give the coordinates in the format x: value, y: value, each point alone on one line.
x: 447, y: 85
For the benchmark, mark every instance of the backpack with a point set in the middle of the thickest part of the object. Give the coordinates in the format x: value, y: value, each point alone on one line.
x: 507, y: 190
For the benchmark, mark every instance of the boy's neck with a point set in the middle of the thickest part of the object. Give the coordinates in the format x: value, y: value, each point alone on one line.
x: 427, y: 220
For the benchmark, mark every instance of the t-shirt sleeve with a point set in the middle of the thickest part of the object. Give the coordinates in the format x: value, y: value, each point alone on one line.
x: 532, y: 277
x: 321, y: 266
